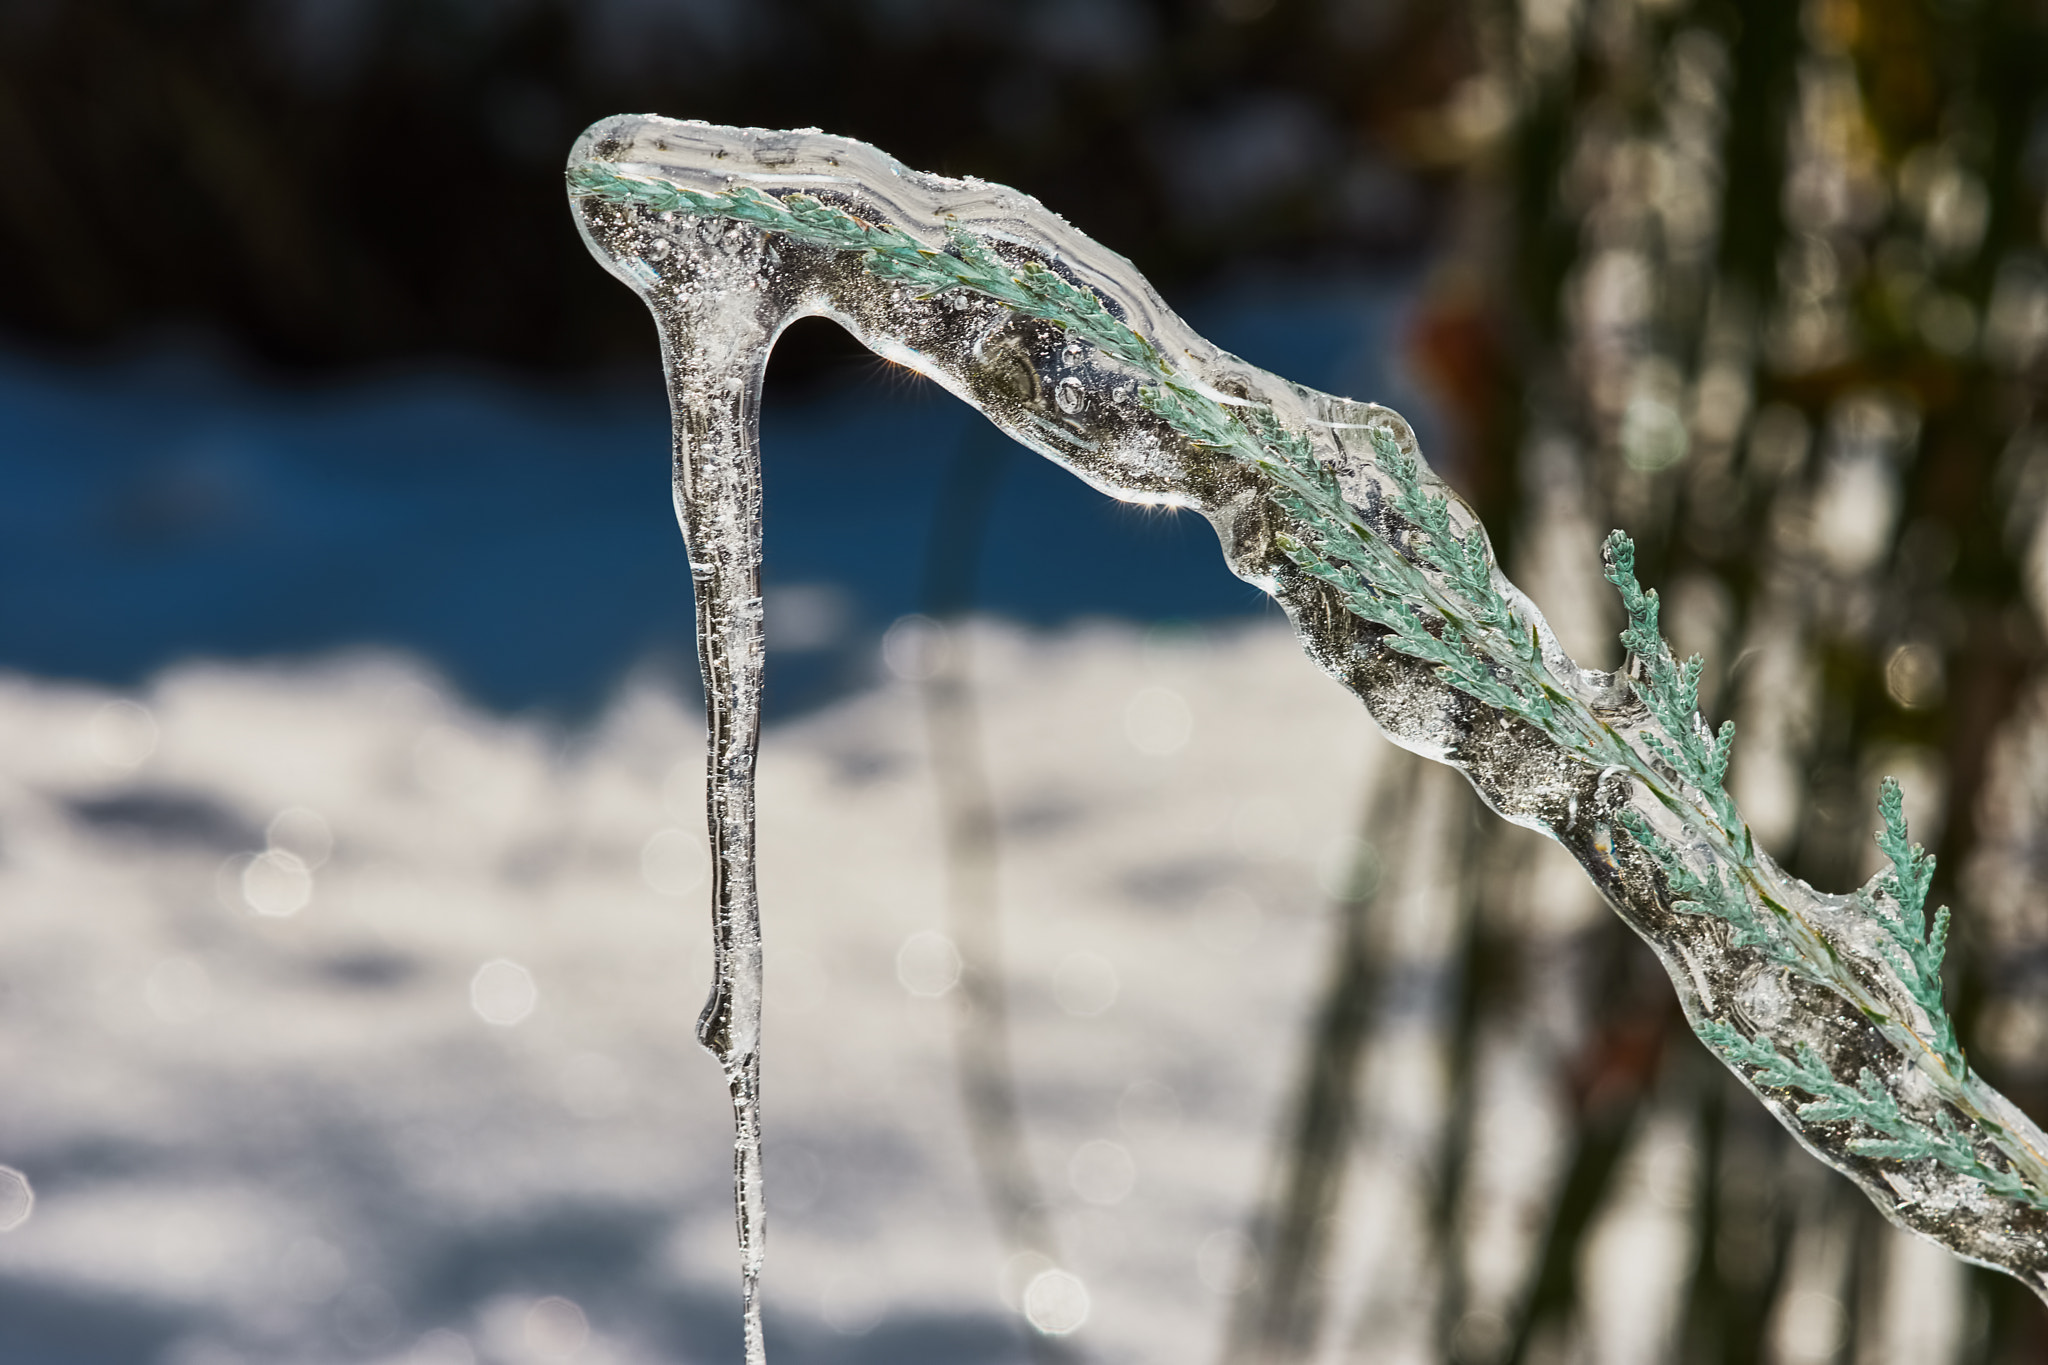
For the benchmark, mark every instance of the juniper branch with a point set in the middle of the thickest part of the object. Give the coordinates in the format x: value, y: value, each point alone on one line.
x: 1431, y: 589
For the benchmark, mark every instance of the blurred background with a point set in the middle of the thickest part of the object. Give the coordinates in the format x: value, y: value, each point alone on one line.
x: 1129, y: 1000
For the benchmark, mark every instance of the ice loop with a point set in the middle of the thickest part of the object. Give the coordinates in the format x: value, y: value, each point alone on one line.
x: 1828, y: 1007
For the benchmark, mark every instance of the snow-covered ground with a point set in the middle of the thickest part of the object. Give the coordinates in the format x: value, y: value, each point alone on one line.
x: 341, y: 1021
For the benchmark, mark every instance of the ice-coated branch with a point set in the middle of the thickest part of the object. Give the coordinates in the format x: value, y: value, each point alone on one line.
x: 1828, y: 1007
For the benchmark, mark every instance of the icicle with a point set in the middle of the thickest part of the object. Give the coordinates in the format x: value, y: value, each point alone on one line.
x: 1828, y: 1007
x: 717, y: 483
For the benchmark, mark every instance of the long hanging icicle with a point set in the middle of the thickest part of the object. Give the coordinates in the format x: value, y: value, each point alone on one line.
x: 1828, y: 1007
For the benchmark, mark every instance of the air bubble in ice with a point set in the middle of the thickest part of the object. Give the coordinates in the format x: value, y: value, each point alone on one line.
x: 1068, y: 395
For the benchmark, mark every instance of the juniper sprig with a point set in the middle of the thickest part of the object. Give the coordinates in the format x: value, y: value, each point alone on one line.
x: 1914, y: 947
x: 1897, y: 1136
x: 1671, y: 691
x: 1380, y: 583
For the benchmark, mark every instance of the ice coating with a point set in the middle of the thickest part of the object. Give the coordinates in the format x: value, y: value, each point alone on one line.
x: 1826, y: 1006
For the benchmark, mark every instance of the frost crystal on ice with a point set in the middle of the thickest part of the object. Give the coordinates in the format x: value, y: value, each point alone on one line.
x: 1828, y: 1007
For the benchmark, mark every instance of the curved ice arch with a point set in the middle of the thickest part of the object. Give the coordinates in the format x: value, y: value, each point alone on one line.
x: 1825, y: 1006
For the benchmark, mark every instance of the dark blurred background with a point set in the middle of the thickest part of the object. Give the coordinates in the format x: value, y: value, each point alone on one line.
x: 347, y: 182
x: 231, y: 209
x: 302, y: 351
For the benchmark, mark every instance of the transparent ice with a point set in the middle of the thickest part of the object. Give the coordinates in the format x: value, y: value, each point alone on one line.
x: 1828, y: 1007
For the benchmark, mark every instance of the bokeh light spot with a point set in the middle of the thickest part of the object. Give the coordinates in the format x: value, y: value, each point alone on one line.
x: 302, y: 832
x: 502, y: 992
x: 17, y: 1199
x: 1085, y: 985
x: 1157, y: 722
x: 122, y: 734
x: 1102, y: 1172
x: 1056, y: 1303
x: 674, y: 861
x: 556, y: 1328
x: 277, y: 884
x: 441, y: 1347
x: 850, y: 1305
x: 1227, y: 1263
x: 916, y: 648
x: 928, y: 965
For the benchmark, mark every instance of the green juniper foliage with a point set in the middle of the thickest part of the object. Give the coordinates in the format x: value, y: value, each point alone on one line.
x: 889, y: 253
x: 1671, y: 690
x: 1867, y: 1103
x: 1914, y: 948
x: 1432, y: 588
x: 1712, y: 895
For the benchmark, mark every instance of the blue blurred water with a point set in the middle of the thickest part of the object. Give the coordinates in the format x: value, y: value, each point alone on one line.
x: 522, y: 541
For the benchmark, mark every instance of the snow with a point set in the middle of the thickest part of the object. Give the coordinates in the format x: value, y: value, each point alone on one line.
x: 452, y: 1103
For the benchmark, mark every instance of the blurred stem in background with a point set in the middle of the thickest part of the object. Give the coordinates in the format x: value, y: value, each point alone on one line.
x: 1279, y: 1317
x: 967, y: 816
